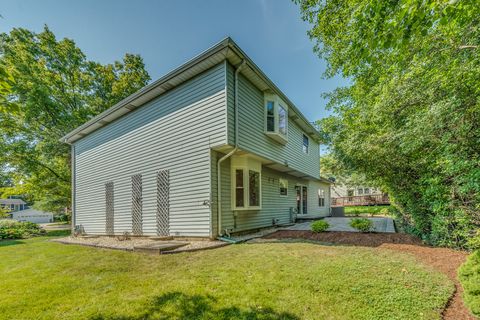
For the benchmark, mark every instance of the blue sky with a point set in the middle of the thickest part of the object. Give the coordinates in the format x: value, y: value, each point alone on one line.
x: 167, y: 33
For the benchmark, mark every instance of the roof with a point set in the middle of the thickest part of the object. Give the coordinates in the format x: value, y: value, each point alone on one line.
x: 225, y: 49
x: 12, y: 201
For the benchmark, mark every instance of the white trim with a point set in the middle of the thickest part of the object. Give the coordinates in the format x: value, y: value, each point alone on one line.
x: 277, y: 103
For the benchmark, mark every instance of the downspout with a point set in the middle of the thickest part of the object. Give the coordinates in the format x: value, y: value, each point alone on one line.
x: 228, y: 155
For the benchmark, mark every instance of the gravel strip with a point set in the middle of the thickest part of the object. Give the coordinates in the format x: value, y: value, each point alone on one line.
x: 128, y: 245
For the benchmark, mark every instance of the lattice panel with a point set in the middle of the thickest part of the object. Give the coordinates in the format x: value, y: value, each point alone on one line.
x: 163, y: 203
x: 109, y: 212
x: 137, y: 204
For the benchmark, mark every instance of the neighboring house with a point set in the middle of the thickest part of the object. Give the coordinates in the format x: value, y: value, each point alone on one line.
x: 32, y: 215
x: 339, y: 191
x: 13, y: 204
x: 214, y: 130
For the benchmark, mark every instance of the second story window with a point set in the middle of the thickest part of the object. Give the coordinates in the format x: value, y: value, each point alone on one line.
x: 276, y: 118
x: 305, y: 144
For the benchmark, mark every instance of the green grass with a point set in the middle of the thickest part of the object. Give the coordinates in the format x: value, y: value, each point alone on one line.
x: 366, y: 210
x: 45, y: 280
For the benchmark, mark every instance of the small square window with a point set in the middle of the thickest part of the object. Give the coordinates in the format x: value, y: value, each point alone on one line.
x: 360, y: 191
x: 305, y: 144
x: 283, y: 184
x: 366, y: 191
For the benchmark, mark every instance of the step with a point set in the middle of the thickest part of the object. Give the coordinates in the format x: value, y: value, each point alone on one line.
x: 158, y: 248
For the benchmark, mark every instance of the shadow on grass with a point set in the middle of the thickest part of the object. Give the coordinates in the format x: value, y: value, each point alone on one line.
x: 177, y: 305
x: 5, y: 243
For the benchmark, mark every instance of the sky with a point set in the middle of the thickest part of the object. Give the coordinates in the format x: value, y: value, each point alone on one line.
x: 167, y: 33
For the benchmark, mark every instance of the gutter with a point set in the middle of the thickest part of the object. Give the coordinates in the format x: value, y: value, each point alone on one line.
x: 228, y: 155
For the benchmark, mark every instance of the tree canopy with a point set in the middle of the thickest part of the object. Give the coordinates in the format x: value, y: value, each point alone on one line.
x: 410, y: 120
x: 47, y: 88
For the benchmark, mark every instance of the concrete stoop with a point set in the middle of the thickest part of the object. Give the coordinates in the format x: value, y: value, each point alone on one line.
x: 159, y: 248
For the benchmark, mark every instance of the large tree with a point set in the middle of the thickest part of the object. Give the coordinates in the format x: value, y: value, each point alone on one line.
x: 49, y: 87
x: 411, y: 118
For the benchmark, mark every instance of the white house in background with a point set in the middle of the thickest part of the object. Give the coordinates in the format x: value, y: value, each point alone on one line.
x: 211, y: 148
x: 13, y: 204
x: 32, y: 215
x: 340, y: 191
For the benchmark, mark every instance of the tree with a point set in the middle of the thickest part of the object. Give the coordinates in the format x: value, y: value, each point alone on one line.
x: 51, y: 88
x: 330, y: 167
x: 410, y: 121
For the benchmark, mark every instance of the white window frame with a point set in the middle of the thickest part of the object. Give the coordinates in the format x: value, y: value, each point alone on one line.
x: 246, y: 167
x: 321, y: 196
x: 277, y: 104
x: 280, y: 188
x: 308, y: 143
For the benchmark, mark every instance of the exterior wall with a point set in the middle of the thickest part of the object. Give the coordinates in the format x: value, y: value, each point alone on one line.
x: 252, y: 135
x: 174, y: 131
x: 274, y: 206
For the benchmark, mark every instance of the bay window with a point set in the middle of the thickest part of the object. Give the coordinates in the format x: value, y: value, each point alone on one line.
x: 276, y: 118
x: 246, y: 183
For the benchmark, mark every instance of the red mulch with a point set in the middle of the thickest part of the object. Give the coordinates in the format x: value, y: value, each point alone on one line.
x: 442, y: 259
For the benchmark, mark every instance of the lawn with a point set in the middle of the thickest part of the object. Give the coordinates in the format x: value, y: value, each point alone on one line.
x: 44, y: 280
x: 366, y: 210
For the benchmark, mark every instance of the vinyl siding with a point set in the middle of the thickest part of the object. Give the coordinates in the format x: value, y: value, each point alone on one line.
x: 251, y: 130
x: 274, y: 206
x: 175, y: 132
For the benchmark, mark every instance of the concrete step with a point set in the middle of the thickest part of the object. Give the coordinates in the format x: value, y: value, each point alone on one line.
x: 158, y: 248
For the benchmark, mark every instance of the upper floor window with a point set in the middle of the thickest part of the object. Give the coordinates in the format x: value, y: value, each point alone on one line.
x: 276, y: 118
x: 305, y: 144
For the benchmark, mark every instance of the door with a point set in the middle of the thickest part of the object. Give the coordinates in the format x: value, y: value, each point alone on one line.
x: 304, y: 199
x: 302, y: 195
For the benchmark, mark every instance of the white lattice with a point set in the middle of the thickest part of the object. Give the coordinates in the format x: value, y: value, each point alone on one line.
x: 137, y: 204
x: 163, y: 205
x: 109, y: 213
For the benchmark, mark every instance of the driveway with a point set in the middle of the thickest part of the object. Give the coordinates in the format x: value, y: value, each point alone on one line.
x: 381, y: 224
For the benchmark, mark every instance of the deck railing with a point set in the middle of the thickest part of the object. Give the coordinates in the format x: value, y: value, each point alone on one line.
x: 372, y: 200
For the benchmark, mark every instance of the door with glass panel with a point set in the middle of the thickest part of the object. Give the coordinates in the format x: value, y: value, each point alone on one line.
x: 302, y: 196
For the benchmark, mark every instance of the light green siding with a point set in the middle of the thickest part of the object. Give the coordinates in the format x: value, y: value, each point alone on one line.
x: 251, y: 130
x: 174, y: 132
x: 274, y: 206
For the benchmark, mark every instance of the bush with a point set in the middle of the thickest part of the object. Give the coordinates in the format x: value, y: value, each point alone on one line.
x: 11, y: 229
x: 469, y: 274
x: 362, y: 224
x: 320, y: 226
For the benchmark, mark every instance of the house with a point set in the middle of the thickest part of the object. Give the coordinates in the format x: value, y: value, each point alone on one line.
x: 32, y: 215
x: 340, y: 190
x: 343, y: 195
x: 213, y: 131
x: 13, y: 204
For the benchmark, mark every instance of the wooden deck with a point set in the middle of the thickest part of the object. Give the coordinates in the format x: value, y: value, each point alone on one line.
x: 373, y: 200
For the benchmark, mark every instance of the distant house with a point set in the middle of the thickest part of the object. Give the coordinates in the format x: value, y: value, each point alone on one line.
x: 13, y: 204
x: 339, y: 191
x: 32, y: 215
x: 211, y: 148
x: 357, y: 196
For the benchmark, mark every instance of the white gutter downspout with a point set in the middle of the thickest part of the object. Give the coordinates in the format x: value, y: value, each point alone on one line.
x: 228, y: 155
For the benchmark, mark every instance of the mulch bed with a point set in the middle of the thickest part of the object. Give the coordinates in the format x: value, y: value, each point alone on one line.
x: 443, y: 259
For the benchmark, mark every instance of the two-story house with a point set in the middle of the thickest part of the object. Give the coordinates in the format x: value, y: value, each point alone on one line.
x: 213, y: 147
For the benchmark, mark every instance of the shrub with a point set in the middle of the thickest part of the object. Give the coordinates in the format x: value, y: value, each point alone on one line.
x: 320, y: 226
x: 362, y: 224
x: 469, y: 274
x: 11, y: 229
